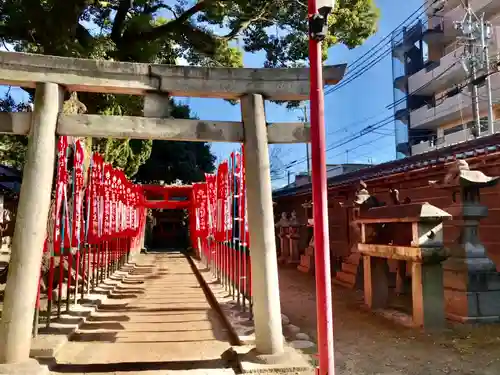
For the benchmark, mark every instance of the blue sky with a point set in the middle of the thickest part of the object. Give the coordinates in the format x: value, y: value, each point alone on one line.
x: 349, y: 109
x: 360, y: 103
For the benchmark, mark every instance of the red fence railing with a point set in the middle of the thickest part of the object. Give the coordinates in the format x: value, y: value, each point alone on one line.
x: 95, y: 222
x: 220, y: 227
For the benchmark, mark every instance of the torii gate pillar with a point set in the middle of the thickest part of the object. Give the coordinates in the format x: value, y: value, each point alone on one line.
x: 30, y: 229
x: 265, y: 287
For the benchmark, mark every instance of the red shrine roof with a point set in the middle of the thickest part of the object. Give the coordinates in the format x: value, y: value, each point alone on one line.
x: 477, y: 147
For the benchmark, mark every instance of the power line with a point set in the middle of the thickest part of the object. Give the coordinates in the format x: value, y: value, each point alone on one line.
x: 425, y: 85
x: 386, y: 121
x: 366, y: 130
x: 353, y: 74
x: 355, y: 63
x: 373, y: 127
x: 362, y: 144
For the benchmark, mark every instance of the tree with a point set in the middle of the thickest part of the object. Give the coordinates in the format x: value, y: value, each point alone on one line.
x: 13, y: 147
x: 171, y: 161
x: 159, y: 31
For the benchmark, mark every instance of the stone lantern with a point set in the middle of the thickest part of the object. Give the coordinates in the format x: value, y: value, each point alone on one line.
x: 471, y: 282
x: 307, y: 259
x: 294, y: 239
x: 283, y: 226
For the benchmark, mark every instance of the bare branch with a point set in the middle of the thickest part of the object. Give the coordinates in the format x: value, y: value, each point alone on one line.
x: 276, y: 165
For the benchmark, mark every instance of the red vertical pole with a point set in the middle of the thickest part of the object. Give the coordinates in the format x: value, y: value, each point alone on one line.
x: 320, y: 214
x: 69, y: 257
x: 50, y: 289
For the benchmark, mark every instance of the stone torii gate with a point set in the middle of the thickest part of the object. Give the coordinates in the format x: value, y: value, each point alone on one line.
x: 52, y: 75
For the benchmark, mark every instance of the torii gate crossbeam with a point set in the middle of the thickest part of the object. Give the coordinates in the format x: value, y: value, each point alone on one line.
x: 51, y: 75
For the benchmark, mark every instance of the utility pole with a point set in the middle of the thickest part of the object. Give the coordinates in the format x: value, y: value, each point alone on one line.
x: 318, y: 11
x: 288, y: 173
x: 474, y: 30
x: 485, y: 37
x: 306, y: 121
x: 473, y: 69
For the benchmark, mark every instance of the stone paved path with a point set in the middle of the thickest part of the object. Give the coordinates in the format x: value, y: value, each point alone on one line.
x: 159, y: 322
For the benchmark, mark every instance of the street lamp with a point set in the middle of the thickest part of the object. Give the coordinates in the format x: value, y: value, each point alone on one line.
x: 318, y: 11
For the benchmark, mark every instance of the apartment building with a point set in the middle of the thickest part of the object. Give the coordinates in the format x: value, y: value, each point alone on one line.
x: 428, y: 67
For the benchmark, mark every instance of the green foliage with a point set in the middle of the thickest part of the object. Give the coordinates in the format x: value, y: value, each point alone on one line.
x: 127, y: 154
x: 172, y: 161
x: 13, y: 147
x: 203, y: 32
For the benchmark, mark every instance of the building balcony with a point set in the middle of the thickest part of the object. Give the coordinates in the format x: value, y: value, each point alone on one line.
x: 423, y: 147
x: 454, y: 108
x: 402, y: 115
x: 440, y: 31
x: 406, y: 40
x: 438, y: 76
x: 441, y: 28
x: 490, y: 8
x: 440, y: 6
x: 401, y: 83
x: 453, y: 10
x: 448, y: 71
x: 448, y: 140
x: 403, y: 148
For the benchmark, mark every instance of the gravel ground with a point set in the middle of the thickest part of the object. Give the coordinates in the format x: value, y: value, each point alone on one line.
x: 366, y: 344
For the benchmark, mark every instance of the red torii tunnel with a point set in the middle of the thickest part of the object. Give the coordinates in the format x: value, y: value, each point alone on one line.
x: 170, y: 198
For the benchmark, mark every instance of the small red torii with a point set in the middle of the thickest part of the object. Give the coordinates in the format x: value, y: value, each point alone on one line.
x: 173, y: 196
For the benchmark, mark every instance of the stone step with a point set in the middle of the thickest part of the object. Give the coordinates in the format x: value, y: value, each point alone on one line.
x: 306, y: 263
x: 349, y: 267
x: 348, y: 278
x: 342, y: 283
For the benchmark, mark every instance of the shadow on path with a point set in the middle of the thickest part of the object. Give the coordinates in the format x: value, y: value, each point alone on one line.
x: 166, y: 323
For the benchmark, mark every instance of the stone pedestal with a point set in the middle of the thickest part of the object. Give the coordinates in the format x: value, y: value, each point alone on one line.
x: 472, y: 287
x: 471, y: 282
x: 307, y: 259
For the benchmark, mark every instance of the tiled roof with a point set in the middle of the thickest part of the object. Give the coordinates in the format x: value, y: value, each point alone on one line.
x: 484, y: 145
